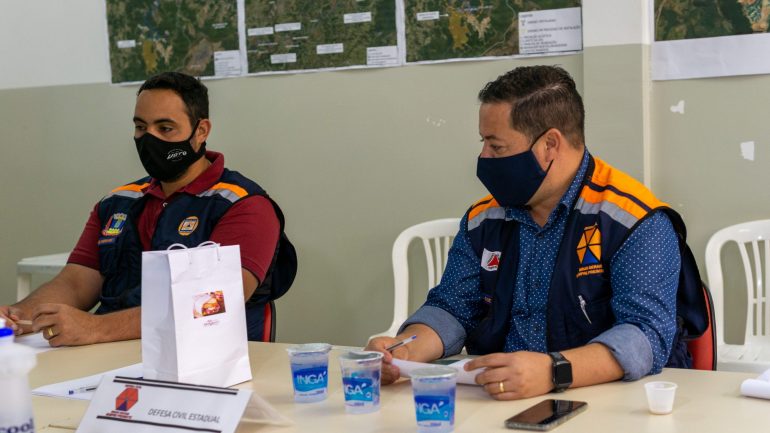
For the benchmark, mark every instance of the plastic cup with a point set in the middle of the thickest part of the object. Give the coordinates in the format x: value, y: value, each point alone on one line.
x: 660, y: 397
x: 310, y: 371
x: 434, y: 398
x: 361, y: 381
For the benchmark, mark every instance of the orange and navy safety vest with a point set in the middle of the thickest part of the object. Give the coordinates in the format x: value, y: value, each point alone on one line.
x: 609, y: 206
x: 189, y: 220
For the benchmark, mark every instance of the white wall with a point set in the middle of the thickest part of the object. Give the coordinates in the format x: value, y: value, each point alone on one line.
x: 52, y: 42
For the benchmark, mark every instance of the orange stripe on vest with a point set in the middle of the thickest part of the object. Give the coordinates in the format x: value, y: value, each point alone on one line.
x: 235, y: 189
x: 131, y: 187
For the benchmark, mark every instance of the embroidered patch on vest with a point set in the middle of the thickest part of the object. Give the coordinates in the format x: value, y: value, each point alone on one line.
x: 589, y: 251
x: 114, y: 225
x: 490, y: 260
x: 188, y: 225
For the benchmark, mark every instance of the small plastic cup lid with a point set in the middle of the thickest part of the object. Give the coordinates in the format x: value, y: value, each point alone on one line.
x: 361, y: 355
x: 309, y: 348
x: 438, y: 372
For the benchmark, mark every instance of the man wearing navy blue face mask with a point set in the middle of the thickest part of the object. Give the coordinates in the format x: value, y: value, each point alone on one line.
x: 188, y: 198
x: 568, y: 273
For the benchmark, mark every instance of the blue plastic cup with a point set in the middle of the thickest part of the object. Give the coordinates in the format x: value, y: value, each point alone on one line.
x: 434, y: 398
x: 310, y: 371
x: 361, y: 381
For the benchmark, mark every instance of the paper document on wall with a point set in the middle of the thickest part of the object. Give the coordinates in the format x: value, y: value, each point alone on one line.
x: 759, y: 387
x: 83, y: 388
x: 464, y: 377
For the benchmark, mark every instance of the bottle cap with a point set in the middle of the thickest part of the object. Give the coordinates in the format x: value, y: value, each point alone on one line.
x: 4, y: 332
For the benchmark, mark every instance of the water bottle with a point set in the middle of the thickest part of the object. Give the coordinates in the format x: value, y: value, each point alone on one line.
x: 16, y: 402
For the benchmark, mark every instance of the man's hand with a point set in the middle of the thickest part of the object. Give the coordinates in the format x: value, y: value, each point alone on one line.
x: 63, y: 325
x: 12, y: 315
x: 522, y: 374
x: 390, y: 372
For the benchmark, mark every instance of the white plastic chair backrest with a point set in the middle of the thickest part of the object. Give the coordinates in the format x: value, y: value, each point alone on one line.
x: 436, y: 236
x: 752, y: 239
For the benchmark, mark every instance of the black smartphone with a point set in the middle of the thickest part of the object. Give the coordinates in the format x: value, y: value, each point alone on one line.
x: 546, y: 415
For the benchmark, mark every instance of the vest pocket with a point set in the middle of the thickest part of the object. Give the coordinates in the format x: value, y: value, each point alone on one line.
x: 591, y: 317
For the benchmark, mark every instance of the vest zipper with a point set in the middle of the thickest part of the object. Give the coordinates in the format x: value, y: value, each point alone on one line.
x: 583, y: 307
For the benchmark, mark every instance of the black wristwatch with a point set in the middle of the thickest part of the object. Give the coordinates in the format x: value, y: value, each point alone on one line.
x: 562, y: 372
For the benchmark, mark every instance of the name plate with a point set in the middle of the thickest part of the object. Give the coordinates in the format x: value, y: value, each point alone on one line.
x: 124, y: 404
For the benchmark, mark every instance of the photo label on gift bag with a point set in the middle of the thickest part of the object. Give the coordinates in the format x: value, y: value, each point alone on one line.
x: 208, y: 304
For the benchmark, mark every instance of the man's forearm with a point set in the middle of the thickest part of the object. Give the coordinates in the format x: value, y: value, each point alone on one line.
x: 427, y: 346
x: 120, y: 325
x: 76, y: 286
x: 592, y: 364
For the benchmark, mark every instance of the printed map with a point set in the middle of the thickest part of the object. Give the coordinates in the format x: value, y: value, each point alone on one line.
x: 690, y: 19
x: 151, y: 36
x: 312, y: 34
x: 447, y: 29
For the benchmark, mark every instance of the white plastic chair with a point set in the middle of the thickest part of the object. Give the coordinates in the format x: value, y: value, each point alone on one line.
x: 753, y: 243
x: 437, y: 236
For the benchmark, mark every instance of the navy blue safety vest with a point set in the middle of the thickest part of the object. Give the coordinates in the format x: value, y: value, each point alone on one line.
x: 189, y: 220
x: 608, y: 208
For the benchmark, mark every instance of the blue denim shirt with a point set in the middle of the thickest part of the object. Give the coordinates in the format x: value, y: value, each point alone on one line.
x: 644, y: 278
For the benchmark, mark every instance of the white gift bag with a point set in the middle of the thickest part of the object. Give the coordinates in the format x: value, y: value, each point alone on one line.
x: 193, y: 315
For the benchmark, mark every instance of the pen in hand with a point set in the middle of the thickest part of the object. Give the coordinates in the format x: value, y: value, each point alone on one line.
x: 407, y: 340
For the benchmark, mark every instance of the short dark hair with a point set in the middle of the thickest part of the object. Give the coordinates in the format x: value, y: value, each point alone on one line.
x: 193, y: 93
x: 541, y: 97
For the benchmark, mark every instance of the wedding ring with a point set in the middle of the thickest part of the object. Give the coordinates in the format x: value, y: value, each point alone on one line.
x: 50, y: 332
x: 502, y: 388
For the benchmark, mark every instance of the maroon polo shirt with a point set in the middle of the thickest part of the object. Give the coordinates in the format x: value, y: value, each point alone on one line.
x: 250, y: 223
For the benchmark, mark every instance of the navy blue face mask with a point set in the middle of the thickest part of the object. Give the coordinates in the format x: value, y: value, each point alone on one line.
x: 512, y: 180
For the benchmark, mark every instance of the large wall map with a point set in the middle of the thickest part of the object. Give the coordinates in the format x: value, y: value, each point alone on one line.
x: 690, y: 19
x: 316, y: 34
x: 208, y: 38
x: 449, y: 29
x: 151, y: 36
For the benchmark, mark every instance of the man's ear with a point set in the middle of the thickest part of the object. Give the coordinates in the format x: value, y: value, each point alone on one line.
x: 202, y: 131
x: 554, y: 140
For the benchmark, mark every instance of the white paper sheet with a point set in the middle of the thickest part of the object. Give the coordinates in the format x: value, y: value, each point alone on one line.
x: 464, y: 377
x: 62, y: 389
x: 759, y: 387
x: 35, y: 341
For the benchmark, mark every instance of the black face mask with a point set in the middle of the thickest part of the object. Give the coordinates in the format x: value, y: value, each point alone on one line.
x: 167, y: 160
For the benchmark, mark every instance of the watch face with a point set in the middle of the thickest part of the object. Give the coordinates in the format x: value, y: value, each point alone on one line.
x: 562, y: 373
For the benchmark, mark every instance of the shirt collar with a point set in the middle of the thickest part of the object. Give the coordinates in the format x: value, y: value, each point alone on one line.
x: 201, y: 183
x: 521, y: 213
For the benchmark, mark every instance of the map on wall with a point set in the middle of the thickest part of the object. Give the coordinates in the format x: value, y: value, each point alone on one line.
x: 316, y: 34
x: 199, y: 38
x: 710, y: 38
x: 688, y: 19
x: 454, y: 29
x: 207, y: 38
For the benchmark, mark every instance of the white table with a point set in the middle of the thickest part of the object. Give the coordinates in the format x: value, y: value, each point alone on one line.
x: 43, y: 265
x: 706, y: 401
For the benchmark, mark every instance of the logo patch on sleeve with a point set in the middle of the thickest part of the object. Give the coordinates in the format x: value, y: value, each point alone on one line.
x: 490, y: 260
x: 114, y: 225
x: 188, y: 225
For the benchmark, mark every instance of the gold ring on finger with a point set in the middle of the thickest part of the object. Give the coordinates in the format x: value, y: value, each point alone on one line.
x: 501, y: 386
x: 50, y: 332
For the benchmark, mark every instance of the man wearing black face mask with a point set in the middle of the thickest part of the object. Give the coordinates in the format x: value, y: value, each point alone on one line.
x: 568, y: 273
x: 189, y: 198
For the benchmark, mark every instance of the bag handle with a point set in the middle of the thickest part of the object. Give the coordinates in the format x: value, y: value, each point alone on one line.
x: 208, y: 243
x: 201, y: 245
